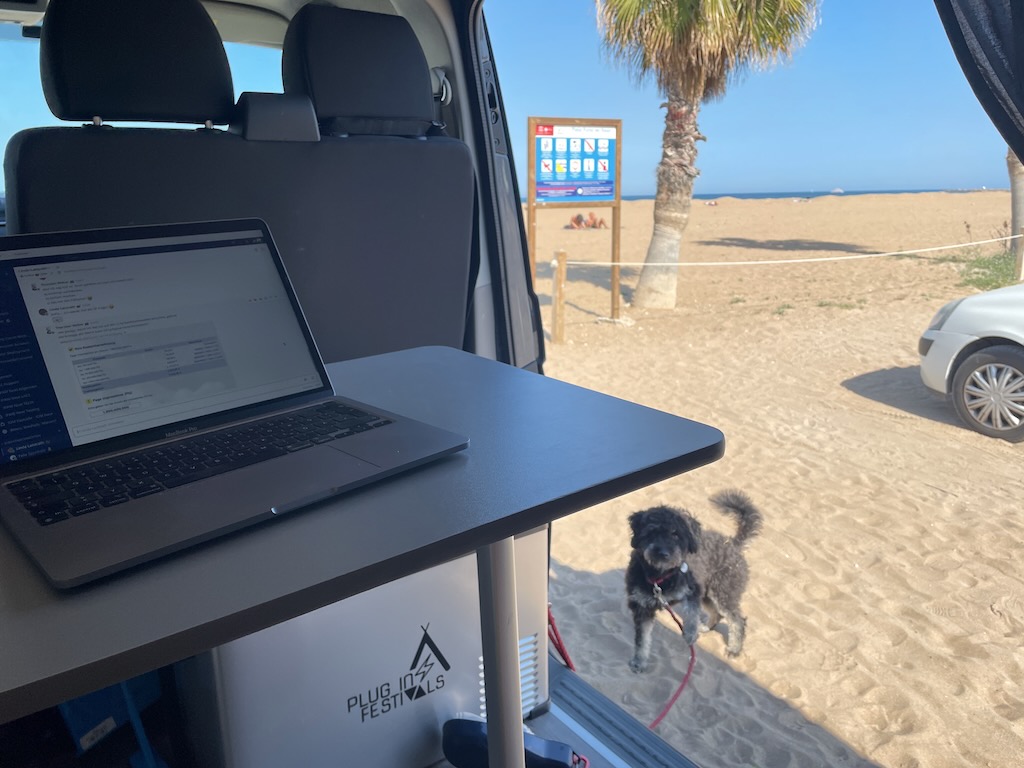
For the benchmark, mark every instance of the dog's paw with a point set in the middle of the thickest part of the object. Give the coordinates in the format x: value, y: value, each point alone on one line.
x: 639, y: 665
x: 705, y: 622
x: 733, y: 652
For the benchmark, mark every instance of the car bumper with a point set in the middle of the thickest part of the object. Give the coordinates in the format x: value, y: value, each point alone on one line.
x: 938, y: 349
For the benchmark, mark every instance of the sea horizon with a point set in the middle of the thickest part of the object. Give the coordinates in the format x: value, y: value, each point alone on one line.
x: 803, y: 194
x: 817, y: 193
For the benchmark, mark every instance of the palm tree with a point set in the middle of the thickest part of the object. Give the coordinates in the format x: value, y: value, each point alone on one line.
x: 1016, y: 170
x: 693, y: 48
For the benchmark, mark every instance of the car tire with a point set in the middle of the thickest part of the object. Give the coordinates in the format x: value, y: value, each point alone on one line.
x: 988, y: 392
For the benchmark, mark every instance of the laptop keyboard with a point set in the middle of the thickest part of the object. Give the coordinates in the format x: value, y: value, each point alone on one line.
x: 86, y: 488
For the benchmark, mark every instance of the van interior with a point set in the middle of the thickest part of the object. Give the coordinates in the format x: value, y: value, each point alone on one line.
x: 370, y: 136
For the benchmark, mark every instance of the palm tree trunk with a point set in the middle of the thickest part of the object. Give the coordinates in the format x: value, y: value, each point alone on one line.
x: 1016, y: 207
x: 657, y: 287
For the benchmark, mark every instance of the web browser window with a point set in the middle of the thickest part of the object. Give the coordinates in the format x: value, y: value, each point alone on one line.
x: 108, y: 342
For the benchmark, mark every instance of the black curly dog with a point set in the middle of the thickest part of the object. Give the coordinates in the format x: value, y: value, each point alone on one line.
x: 676, y: 562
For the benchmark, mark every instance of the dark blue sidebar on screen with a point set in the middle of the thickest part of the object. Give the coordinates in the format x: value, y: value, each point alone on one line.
x: 30, y: 419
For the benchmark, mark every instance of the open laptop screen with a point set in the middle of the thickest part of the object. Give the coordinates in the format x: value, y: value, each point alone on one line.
x: 109, y: 338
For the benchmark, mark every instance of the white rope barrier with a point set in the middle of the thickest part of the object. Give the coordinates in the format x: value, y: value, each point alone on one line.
x: 783, y: 261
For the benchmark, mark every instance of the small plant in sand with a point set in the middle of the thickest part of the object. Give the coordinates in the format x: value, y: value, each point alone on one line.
x: 982, y: 270
x: 988, y: 272
x: 968, y: 253
x: 996, y: 270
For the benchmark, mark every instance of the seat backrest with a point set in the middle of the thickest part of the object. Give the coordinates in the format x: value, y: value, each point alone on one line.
x: 376, y: 244
x: 103, y: 60
x: 99, y: 61
x: 371, y: 89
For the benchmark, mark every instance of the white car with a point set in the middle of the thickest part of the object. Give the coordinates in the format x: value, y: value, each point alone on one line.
x: 973, y: 352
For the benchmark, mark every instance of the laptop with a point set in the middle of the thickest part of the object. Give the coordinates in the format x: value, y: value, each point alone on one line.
x: 160, y: 387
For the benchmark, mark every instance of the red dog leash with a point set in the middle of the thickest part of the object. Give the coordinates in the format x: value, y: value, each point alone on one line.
x: 689, y: 669
x: 556, y: 640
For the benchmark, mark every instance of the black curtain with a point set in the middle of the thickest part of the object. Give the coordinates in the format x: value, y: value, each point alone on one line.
x: 988, y: 39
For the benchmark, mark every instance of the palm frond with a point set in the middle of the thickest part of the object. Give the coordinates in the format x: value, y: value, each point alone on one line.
x: 696, y: 47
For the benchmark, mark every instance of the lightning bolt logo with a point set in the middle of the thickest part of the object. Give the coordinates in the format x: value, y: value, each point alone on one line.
x: 427, y: 655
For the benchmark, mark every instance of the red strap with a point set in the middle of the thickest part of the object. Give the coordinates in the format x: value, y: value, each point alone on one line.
x: 556, y: 640
x: 679, y: 690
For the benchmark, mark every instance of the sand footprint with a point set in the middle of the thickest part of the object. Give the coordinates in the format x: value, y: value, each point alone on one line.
x: 785, y: 689
x: 788, y: 549
x: 1010, y: 610
x: 942, y: 561
x: 844, y: 642
x: 888, y: 711
x: 964, y: 647
x: 815, y: 591
x: 834, y: 661
x: 945, y: 610
x: 857, y: 684
x: 896, y: 635
x: 1006, y: 706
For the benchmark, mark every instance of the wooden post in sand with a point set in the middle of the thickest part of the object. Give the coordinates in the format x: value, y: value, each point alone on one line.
x: 1018, y: 249
x: 558, y: 299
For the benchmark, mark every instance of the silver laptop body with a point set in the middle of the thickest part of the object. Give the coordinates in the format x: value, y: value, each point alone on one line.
x: 133, y: 361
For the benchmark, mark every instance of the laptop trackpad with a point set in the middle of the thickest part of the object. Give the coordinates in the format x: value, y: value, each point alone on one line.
x: 320, y: 471
x: 254, y: 490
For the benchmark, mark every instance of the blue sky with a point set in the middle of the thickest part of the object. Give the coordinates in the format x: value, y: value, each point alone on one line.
x: 874, y: 101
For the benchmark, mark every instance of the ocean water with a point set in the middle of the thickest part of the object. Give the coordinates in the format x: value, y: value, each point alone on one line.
x: 815, y: 193
x: 805, y: 194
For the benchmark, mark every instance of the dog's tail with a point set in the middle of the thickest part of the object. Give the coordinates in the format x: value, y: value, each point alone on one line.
x: 739, y: 505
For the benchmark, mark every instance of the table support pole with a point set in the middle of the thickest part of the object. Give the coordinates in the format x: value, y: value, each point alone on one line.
x: 499, y: 625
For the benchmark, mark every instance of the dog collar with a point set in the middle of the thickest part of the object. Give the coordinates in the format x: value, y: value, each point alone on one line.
x: 682, y: 569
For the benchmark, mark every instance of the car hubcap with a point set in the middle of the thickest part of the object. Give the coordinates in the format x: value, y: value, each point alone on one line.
x: 994, y: 396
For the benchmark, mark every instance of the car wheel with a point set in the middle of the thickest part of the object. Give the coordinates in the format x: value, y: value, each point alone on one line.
x: 988, y: 392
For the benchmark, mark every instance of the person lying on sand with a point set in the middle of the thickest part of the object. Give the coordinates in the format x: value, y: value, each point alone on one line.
x: 579, y: 221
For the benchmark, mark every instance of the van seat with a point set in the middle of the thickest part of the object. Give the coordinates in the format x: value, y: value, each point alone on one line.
x: 371, y: 89
x: 364, y: 72
x: 160, y: 61
x: 376, y: 231
x: 113, y: 60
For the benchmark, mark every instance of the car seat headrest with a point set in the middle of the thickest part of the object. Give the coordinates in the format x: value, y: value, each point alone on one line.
x: 364, y: 72
x: 275, y: 117
x: 150, y: 60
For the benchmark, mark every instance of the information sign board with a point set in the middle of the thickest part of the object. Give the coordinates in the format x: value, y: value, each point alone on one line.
x: 575, y: 162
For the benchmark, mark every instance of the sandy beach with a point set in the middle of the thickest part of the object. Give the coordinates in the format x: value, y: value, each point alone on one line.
x: 886, y: 604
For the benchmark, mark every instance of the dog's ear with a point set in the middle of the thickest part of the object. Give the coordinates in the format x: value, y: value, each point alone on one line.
x: 636, y: 521
x: 688, y: 533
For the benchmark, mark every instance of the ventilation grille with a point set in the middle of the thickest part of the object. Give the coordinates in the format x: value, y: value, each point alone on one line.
x: 529, y: 669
